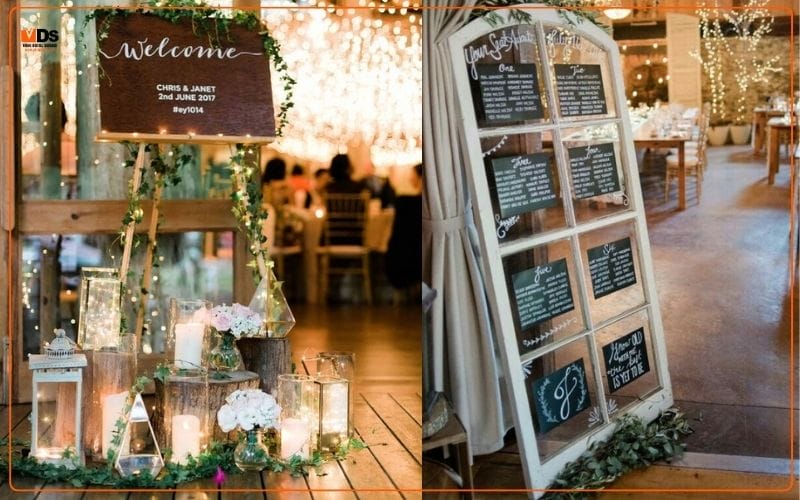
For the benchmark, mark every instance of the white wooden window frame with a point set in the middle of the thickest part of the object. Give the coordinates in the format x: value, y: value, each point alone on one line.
x: 539, y: 474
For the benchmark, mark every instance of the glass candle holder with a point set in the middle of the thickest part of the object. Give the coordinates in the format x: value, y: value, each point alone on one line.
x: 340, y: 364
x: 299, y: 402
x: 188, y: 336
x: 334, y: 415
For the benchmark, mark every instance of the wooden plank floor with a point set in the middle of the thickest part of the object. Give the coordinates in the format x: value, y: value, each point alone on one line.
x: 390, y: 467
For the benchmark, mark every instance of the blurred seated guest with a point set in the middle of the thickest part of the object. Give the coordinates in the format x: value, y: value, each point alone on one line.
x: 321, y: 179
x: 301, y: 187
x: 275, y: 189
x: 379, y: 187
x: 404, y: 254
x: 341, y: 180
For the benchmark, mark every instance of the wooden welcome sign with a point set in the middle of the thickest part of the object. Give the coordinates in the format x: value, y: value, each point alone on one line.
x: 164, y: 82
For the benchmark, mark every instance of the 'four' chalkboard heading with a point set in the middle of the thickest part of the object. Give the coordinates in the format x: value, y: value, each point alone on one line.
x: 594, y: 170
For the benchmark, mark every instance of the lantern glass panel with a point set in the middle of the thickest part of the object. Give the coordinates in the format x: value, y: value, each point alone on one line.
x: 56, y: 430
x: 340, y: 364
x: 100, y: 308
x: 299, y: 401
x: 188, y: 337
x: 333, y: 412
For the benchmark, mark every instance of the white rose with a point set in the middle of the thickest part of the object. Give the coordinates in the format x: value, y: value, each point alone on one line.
x: 226, y: 418
x: 248, y: 418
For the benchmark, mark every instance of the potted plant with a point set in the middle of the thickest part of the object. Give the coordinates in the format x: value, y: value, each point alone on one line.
x: 718, y: 132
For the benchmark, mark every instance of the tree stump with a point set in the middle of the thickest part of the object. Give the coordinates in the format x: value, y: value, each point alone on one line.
x: 268, y: 357
x: 187, y: 394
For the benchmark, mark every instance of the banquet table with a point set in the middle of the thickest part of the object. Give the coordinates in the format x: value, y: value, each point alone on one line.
x: 775, y: 126
x: 647, y: 137
x: 390, y: 424
x: 760, y: 118
x: 378, y: 233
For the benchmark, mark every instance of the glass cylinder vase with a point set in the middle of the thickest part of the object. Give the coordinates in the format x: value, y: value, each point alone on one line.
x: 109, y: 375
x: 299, y: 401
x: 188, y: 336
x: 251, y: 454
x: 341, y: 364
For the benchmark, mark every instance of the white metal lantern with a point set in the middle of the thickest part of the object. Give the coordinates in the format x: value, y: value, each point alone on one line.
x: 56, y: 412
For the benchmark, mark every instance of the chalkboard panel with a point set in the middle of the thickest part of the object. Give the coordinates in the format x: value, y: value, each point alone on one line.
x: 561, y: 395
x: 163, y: 78
x: 542, y: 292
x: 611, y: 267
x: 580, y: 89
x: 523, y: 183
x: 594, y: 170
x: 626, y: 359
x: 509, y: 92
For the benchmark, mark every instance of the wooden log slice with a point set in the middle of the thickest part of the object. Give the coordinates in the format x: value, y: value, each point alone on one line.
x: 268, y: 357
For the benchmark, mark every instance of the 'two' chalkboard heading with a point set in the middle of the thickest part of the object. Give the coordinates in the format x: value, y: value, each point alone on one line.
x: 580, y: 89
x: 611, y: 267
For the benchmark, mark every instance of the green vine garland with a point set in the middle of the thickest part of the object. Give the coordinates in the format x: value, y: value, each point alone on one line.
x: 633, y: 445
x: 215, y: 25
x: 571, y: 11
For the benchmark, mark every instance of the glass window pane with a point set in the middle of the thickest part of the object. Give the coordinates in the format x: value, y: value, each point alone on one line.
x: 544, y: 295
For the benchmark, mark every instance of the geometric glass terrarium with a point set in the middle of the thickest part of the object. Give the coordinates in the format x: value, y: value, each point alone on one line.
x: 142, y: 454
x: 99, y: 318
x: 56, y: 408
x: 270, y: 303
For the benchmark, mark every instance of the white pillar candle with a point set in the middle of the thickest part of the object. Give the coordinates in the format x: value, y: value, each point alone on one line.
x: 295, y: 435
x: 113, y: 404
x: 185, y: 437
x: 188, y: 344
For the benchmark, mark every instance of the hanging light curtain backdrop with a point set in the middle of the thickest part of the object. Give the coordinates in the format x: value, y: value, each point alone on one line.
x: 359, y: 82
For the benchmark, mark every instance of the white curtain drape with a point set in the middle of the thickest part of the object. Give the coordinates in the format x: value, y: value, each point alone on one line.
x: 464, y: 360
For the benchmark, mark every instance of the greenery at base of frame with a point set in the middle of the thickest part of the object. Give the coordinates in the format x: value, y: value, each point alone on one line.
x: 633, y: 445
x: 215, y: 25
x: 570, y: 10
x: 216, y: 455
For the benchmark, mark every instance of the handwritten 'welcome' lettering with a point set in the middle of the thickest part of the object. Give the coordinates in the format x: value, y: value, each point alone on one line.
x: 141, y: 49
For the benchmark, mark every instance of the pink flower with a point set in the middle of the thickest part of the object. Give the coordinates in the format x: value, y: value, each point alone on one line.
x: 221, y: 320
x: 219, y: 477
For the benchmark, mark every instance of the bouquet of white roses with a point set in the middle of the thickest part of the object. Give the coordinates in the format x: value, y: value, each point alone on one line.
x: 248, y: 409
x: 238, y: 320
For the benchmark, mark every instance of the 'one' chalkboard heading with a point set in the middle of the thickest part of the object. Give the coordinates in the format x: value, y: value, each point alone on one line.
x: 611, y: 267
x: 594, y: 170
x: 580, y: 89
x: 524, y: 183
x: 509, y: 92
x: 542, y: 293
x: 626, y: 359
x: 560, y: 395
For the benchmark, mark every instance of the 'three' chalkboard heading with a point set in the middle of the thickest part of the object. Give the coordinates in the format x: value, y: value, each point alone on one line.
x: 542, y: 293
x: 509, y: 92
x: 524, y: 183
x: 560, y: 395
x: 626, y: 359
x: 611, y: 267
x: 594, y: 170
x: 580, y: 89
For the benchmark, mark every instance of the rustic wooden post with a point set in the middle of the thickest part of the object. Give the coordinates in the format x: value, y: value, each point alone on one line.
x: 147, y: 273
x: 50, y: 110
x: 135, y: 183
x: 268, y: 357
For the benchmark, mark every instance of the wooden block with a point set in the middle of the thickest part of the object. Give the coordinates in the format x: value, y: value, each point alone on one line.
x: 293, y: 488
x: 268, y: 357
x: 402, y: 425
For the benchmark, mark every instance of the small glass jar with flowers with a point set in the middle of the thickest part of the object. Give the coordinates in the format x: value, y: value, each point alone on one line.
x: 230, y: 324
x: 251, y: 411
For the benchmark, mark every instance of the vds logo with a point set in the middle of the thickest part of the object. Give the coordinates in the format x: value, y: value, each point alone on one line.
x: 38, y: 37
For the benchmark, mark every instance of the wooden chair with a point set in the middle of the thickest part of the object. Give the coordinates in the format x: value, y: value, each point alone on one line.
x: 694, y: 160
x: 343, y: 240
x: 276, y: 251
